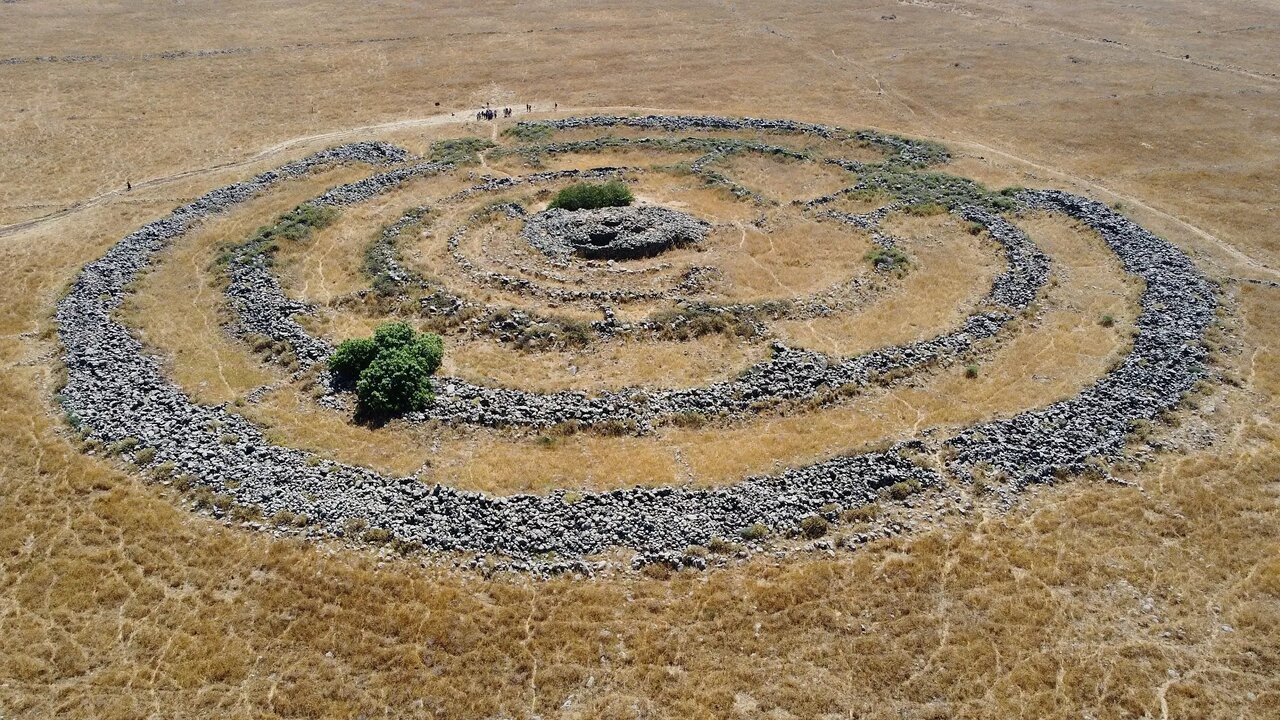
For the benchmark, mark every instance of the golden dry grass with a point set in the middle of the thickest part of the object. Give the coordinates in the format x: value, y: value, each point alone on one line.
x: 659, y: 364
x: 177, y: 305
x: 1085, y: 600
x: 950, y: 272
x: 328, y: 265
x: 784, y: 179
x: 791, y: 256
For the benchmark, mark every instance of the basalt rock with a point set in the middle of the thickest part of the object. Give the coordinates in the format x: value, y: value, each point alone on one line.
x: 612, y: 233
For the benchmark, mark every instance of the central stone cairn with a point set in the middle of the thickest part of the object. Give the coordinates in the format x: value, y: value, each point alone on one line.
x: 612, y: 233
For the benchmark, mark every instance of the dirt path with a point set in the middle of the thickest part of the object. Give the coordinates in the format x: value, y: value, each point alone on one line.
x: 982, y: 12
x: 1236, y: 254
x: 270, y: 151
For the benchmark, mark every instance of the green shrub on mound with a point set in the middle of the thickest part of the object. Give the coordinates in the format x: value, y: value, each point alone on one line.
x: 391, y: 370
x: 460, y: 151
x: 589, y: 196
x: 889, y: 259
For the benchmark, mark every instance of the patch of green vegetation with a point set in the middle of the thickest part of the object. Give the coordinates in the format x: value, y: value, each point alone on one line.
x: 722, y: 146
x: 528, y: 132
x: 124, y: 445
x: 391, y: 370
x: 72, y: 418
x: 924, y: 190
x: 755, y: 531
x: 888, y: 259
x: 460, y: 151
x: 925, y: 209
x: 928, y: 152
x: 295, y: 225
x: 590, y: 196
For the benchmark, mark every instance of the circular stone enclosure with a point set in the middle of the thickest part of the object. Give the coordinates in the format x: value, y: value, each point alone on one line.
x: 118, y: 394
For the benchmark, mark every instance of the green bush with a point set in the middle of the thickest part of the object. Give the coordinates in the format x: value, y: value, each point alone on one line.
x: 392, y: 370
x: 352, y: 356
x: 589, y: 196
x: 395, y: 382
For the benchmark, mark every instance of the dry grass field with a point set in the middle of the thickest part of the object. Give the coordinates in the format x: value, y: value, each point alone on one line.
x: 1156, y: 598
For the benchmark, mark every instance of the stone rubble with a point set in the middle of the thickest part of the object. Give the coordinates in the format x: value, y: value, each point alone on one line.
x: 1169, y: 356
x: 257, y: 300
x: 907, y: 151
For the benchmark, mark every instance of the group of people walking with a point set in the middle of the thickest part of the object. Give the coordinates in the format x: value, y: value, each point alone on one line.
x: 489, y: 113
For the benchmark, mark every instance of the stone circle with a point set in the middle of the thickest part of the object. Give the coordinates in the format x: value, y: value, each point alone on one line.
x: 117, y: 392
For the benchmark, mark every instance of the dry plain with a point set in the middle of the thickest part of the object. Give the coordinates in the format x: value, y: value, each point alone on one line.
x: 1158, y: 598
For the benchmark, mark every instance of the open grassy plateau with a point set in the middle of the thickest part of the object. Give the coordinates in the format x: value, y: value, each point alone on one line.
x: 933, y: 370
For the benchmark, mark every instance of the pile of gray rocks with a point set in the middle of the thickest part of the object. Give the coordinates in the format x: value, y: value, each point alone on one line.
x: 612, y: 233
